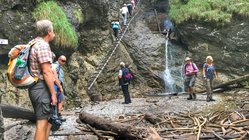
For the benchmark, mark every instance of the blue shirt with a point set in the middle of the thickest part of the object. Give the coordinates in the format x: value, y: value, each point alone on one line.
x: 59, y: 71
x: 209, y: 71
x: 115, y: 25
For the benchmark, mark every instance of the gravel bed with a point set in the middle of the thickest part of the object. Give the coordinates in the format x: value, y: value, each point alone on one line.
x: 113, y: 109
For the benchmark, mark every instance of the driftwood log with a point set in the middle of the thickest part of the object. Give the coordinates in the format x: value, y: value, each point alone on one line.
x: 152, y: 118
x: 231, y: 82
x: 10, y: 111
x: 123, y: 130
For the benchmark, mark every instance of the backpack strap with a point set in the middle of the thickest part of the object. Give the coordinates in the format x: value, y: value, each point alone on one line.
x: 193, y: 66
x: 31, y: 44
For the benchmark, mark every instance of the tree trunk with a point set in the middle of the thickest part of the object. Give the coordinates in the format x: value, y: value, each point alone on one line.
x: 123, y: 130
x: 226, y: 84
x: 17, y: 112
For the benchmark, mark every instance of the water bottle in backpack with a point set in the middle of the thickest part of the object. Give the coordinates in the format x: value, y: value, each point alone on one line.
x: 20, y: 68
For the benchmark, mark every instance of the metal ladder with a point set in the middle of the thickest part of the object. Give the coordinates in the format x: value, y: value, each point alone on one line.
x: 110, y: 53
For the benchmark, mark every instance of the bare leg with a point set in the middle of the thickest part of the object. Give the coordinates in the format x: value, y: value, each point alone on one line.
x: 190, y: 94
x: 60, y: 106
x: 49, y: 129
x: 41, y: 130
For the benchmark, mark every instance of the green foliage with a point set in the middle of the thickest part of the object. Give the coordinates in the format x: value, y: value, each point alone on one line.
x: 65, y: 35
x: 218, y: 11
x: 78, y: 15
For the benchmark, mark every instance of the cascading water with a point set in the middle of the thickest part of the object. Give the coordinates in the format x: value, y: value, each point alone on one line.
x: 168, y: 80
x: 174, y: 55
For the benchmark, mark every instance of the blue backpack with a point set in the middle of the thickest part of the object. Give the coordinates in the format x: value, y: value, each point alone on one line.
x: 127, y: 75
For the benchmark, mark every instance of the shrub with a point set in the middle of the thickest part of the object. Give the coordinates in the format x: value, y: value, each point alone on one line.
x: 64, y: 31
x: 218, y: 11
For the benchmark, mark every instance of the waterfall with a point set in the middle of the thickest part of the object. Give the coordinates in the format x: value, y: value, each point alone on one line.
x: 168, y: 80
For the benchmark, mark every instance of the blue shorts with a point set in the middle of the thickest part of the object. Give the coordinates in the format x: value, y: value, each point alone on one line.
x: 60, y: 96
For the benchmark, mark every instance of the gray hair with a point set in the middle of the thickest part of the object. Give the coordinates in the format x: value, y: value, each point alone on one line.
x: 43, y: 27
x: 122, y: 64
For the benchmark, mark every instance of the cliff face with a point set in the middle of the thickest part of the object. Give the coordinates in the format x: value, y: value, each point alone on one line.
x: 228, y: 44
x: 140, y: 48
x: 95, y: 40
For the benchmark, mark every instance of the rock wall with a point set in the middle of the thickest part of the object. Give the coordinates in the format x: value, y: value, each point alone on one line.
x: 95, y: 39
x: 140, y: 48
x: 228, y: 44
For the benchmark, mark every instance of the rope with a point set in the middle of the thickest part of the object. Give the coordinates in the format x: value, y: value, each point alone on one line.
x: 112, y: 52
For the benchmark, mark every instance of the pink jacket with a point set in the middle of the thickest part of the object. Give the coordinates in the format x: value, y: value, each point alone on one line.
x: 190, y: 69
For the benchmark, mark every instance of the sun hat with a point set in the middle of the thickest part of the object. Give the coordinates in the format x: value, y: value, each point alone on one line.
x: 187, y: 59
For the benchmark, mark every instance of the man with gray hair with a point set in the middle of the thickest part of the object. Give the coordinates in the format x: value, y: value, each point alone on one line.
x: 123, y: 83
x: 42, y: 94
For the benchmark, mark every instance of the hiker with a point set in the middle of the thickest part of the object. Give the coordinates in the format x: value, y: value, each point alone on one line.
x: 124, y: 11
x: 136, y: 1
x: 60, y: 73
x: 190, y: 71
x: 115, y: 27
x: 123, y: 83
x: 209, y: 73
x: 42, y: 94
x: 129, y: 6
x: 133, y: 4
x: 168, y: 29
x: 58, y: 88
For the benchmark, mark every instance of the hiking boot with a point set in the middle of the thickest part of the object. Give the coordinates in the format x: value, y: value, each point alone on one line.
x: 60, y: 117
x: 212, y: 99
x: 194, y: 96
x: 190, y: 97
x: 125, y: 103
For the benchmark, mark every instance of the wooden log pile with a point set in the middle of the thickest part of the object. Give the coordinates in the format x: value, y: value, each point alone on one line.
x: 175, y: 125
x: 217, y: 125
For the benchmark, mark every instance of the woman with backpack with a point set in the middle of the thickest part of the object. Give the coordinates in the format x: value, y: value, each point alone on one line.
x: 189, y: 72
x: 209, y: 73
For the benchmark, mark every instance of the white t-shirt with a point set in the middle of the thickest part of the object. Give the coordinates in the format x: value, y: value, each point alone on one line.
x: 124, y: 10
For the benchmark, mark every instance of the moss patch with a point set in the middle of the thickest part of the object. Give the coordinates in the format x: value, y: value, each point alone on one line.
x: 64, y: 31
x: 78, y: 15
x: 218, y: 11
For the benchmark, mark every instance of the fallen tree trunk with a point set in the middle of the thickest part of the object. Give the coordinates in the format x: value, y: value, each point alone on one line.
x: 226, y: 84
x: 152, y: 118
x: 17, y: 112
x: 123, y: 130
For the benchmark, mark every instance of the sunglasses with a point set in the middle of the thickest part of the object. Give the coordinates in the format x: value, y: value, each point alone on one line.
x: 64, y: 61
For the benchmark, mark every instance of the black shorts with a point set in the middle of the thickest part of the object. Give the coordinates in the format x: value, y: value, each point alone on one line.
x: 41, y: 100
